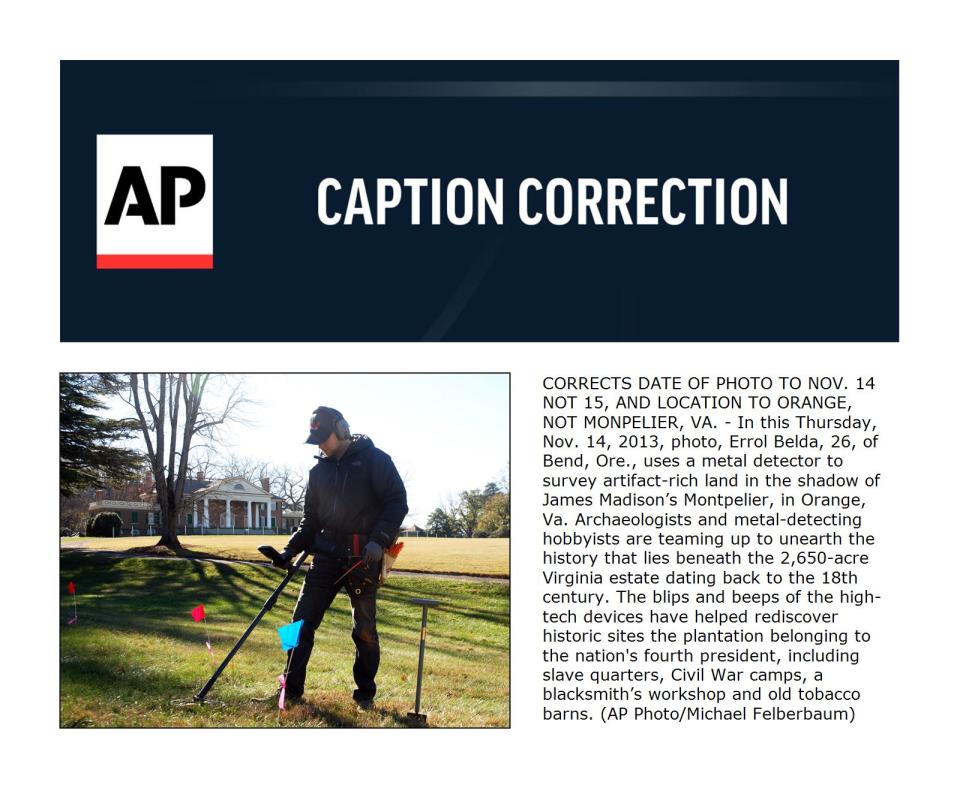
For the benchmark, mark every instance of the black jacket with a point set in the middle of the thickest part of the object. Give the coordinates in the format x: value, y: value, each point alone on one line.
x: 361, y: 493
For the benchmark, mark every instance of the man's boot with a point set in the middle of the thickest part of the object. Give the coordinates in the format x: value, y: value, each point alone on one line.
x: 363, y: 700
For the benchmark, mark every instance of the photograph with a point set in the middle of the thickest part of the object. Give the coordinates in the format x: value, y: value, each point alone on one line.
x: 310, y: 550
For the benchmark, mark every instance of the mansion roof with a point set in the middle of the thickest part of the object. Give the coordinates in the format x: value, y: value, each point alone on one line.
x: 235, y: 485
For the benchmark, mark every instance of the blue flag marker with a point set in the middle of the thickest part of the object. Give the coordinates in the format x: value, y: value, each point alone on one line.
x: 290, y: 635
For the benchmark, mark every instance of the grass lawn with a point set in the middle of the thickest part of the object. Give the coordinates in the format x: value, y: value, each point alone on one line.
x: 463, y: 556
x: 136, y: 650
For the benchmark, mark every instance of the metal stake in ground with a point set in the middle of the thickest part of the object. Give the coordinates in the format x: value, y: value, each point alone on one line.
x: 415, y: 715
x: 263, y: 611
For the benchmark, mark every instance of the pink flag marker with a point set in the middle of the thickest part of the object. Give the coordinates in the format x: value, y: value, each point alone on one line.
x: 283, y: 689
x: 198, y: 613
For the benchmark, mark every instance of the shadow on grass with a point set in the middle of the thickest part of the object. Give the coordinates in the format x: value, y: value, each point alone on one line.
x: 393, y: 594
x: 180, y: 552
x: 120, y: 587
x: 327, y: 714
x: 170, y: 584
x: 341, y: 713
x: 110, y: 677
x: 123, y: 602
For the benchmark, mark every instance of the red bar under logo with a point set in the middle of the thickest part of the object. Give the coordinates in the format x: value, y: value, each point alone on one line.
x: 155, y: 261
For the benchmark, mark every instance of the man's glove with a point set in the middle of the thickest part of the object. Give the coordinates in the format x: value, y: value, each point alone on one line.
x: 279, y: 560
x: 372, y: 553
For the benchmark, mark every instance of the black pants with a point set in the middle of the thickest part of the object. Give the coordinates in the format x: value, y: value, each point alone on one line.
x: 316, y: 595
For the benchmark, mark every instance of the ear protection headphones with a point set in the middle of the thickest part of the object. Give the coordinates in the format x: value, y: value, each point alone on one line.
x: 340, y: 427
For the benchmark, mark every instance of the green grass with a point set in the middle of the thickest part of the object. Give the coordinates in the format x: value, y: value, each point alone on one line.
x: 136, y: 650
x: 462, y: 556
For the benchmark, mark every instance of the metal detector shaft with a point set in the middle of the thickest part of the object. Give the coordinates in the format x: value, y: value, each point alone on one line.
x: 263, y: 611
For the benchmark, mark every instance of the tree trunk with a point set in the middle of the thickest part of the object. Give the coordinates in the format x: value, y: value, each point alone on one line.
x: 163, y: 405
x: 168, y: 524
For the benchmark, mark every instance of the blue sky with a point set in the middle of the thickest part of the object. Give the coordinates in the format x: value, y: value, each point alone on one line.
x: 445, y: 432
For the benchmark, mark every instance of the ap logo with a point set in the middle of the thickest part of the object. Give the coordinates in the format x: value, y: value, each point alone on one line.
x: 154, y: 201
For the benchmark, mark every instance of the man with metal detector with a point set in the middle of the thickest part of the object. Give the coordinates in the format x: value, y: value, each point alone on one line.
x: 354, y: 506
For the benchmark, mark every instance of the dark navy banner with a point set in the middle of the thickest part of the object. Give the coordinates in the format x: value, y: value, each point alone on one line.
x: 503, y: 201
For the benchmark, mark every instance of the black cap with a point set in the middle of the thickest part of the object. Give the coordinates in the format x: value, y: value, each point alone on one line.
x: 322, y: 421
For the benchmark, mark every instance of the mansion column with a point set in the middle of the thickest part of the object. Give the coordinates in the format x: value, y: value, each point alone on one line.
x: 206, y: 513
x: 249, y: 514
x: 229, y: 519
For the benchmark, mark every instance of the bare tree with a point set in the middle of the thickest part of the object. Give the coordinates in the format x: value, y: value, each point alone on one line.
x: 171, y: 412
x: 202, y: 462
x: 244, y: 467
x: 291, y: 486
x: 285, y: 482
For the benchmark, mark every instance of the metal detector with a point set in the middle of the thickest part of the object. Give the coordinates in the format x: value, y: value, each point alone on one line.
x: 272, y: 554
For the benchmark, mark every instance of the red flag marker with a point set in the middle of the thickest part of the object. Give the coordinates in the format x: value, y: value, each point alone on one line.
x: 199, y: 614
x: 72, y: 590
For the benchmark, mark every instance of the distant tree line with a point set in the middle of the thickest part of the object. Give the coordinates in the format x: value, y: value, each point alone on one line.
x: 474, y: 514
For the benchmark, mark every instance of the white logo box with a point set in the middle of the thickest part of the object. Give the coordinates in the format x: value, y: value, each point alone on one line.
x: 134, y: 243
